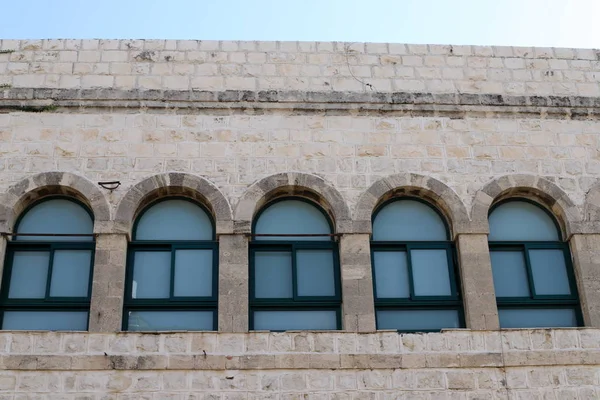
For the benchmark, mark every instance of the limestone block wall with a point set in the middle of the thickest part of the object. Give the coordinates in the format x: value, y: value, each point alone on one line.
x: 313, y: 66
x: 235, y: 124
x: 350, y: 152
x: 519, y: 364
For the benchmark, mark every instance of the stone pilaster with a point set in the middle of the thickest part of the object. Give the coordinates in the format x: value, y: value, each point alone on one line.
x: 233, y: 283
x: 477, y: 282
x: 357, y: 283
x: 585, y: 249
x: 108, y: 286
x: 3, y: 243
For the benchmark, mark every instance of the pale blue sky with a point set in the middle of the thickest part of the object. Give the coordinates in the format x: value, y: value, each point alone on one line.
x: 564, y: 23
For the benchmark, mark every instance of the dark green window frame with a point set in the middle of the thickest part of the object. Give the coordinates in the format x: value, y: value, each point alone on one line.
x: 296, y: 303
x: 48, y: 303
x: 413, y: 302
x: 172, y: 303
x: 534, y: 300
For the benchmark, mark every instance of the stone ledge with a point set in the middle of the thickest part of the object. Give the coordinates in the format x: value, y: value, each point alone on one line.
x: 299, y: 361
x: 41, y: 100
x: 529, y: 52
x: 298, y: 350
x: 294, y: 342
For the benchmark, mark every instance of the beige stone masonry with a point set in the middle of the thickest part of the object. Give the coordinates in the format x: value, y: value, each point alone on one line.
x: 314, y: 66
x: 477, y: 282
x: 234, y: 152
x: 346, y: 350
x: 234, y: 125
x: 357, y: 283
x: 586, y: 260
x: 108, y: 283
x: 459, y: 364
x: 233, y: 283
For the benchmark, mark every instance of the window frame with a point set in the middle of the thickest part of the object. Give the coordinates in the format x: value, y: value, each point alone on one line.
x: 172, y: 303
x: 414, y: 302
x: 295, y: 303
x: 47, y: 303
x: 535, y: 301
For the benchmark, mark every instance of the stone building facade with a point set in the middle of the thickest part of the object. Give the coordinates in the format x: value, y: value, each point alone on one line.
x: 234, y: 125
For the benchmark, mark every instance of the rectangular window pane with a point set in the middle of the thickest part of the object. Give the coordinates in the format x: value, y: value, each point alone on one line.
x: 391, y: 274
x: 193, y: 273
x: 431, y: 276
x: 315, y: 273
x: 510, y: 274
x: 151, y: 275
x: 537, y: 318
x: 170, y: 321
x: 45, y: 320
x: 294, y: 320
x: 29, y: 275
x: 549, y: 271
x: 70, y: 273
x: 273, y: 274
x: 417, y: 320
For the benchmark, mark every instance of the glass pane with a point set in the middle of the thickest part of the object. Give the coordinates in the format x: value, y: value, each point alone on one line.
x: 70, y: 273
x: 292, y: 216
x: 151, y: 275
x: 174, y: 220
x: 397, y: 221
x: 294, y: 320
x: 521, y: 221
x: 537, y: 318
x: 417, y: 320
x: 45, y: 320
x: 431, y: 276
x: 273, y: 274
x: 170, y: 321
x: 193, y: 273
x: 391, y: 274
x: 56, y: 216
x: 510, y: 274
x: 549, y: 272
x: 29, y: 275
x: 315, y: 273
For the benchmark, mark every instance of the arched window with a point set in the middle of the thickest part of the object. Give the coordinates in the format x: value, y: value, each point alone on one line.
x: 414, y: 273
x: 172, y: 269
x: 533, y: 275
x: 47, y: 277
x: 294, y: 269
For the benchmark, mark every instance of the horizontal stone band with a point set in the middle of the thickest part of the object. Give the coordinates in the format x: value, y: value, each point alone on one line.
x: 28, y: 99
x: 299, y: 361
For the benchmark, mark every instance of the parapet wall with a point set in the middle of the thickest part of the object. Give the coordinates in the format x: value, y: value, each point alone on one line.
x: 303, y: 66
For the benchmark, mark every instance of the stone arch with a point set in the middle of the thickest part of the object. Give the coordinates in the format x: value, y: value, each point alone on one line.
x: 538, y: 189
x: 175, y: 184
x: 427, y: 188
x: 24, y: 193
x: 298, y: 184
